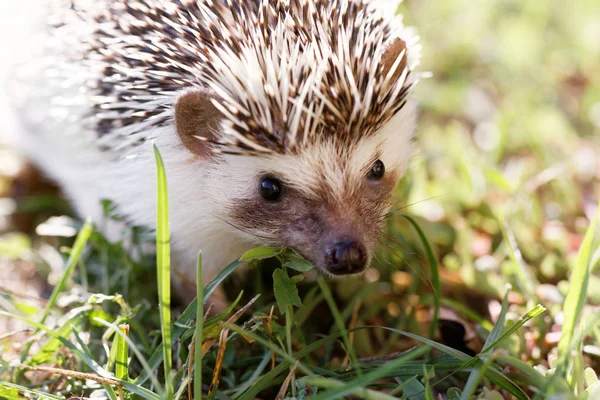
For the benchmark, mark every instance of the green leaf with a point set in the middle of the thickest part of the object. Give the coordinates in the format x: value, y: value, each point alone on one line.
x: 413, y: 389
x: 261, y: 253
x: 297, y: 263
x: 286, y: 293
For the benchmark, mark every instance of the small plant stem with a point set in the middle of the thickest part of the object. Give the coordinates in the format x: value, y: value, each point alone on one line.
x: 199, y: 331
x: 289, y: 318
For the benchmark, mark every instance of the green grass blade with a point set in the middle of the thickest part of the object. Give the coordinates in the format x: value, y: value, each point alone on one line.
x: 140, y: 391
x: 266, y: 380
x: 23, y: 389
x: 278, y: 350
x: 110, y: 391
x: 339, y: 322
x: 45, y: 353
x: 361, y: 382
x: 136, y: 351
x: 122, y: 354
x: 74, y: 256
x: 179, y: 327
x: 435, y: 275
x: 94, y: 366
x: 163, y: 266
x: 198, y: 336
x: 212, y: 285
x: 475, y: 376
x: 338, y: 389
x: 523, y: 368
x: 289, y: 320
x: 412, y: 389
x: 182, y: 388
x: 576, y: 296
x: 507, y: 333
x: 523, y: 277
x: 463, y: 309
x: 534, y: 312
x: 494, y: 375
x: 253, y: 378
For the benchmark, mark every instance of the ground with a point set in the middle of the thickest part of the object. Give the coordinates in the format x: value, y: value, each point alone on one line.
x: 504, y: 189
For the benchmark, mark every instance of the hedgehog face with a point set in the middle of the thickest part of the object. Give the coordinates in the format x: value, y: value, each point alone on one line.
x: 303, y: 107
x: 327, y: 203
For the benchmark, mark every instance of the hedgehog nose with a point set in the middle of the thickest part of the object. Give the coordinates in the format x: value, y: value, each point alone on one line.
x: 346, y: 258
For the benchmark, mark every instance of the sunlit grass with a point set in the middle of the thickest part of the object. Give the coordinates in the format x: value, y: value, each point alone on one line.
x: 502, y: 195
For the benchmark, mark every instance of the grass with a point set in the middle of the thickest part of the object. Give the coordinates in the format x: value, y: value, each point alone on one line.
x: 503, y: 195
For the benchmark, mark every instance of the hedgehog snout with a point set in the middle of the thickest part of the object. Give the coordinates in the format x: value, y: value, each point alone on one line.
x: 346, y: 257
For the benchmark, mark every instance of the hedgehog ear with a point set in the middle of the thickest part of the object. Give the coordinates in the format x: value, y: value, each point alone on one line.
x: 196, y: 120
x: 390, y: 56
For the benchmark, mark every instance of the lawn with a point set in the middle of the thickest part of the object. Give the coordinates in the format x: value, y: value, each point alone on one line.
x: 485, y: 284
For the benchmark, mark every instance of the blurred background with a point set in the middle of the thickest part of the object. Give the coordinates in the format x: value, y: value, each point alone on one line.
x: 506, y: 182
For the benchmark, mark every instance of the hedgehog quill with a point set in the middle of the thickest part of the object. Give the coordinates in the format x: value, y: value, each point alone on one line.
x: 283, y: 122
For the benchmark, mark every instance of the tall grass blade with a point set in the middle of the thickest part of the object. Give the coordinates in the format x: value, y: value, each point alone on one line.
x: 163, y: 266
x: 576, y: 296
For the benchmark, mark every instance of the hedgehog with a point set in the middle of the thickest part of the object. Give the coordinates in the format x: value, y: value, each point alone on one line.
x: 281, y: 122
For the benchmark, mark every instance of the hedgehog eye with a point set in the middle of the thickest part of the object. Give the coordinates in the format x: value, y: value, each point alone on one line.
x: 271, y: 189
x: 377, y: 171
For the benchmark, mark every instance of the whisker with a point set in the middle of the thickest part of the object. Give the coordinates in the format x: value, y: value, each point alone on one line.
x: 396, y: 242
x: 267, y: 238
x: 415, y: 203
x: 423, y: 277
